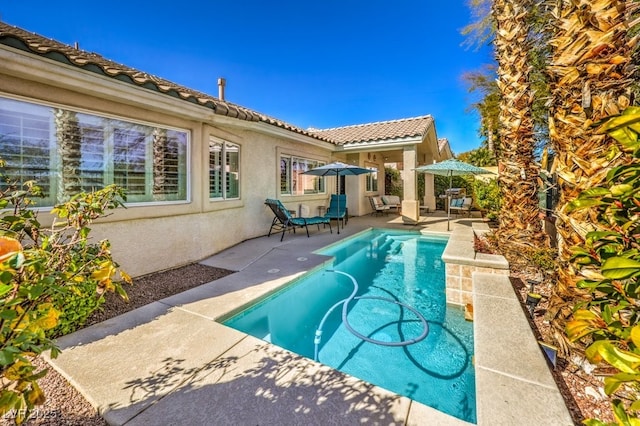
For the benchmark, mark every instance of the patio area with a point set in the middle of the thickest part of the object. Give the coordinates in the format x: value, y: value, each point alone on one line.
x: 169, y: 362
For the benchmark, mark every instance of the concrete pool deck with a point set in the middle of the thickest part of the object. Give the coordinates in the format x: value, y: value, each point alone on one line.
x: 170, y: 362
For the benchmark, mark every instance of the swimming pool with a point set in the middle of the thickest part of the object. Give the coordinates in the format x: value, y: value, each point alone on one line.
x: 405, y: 269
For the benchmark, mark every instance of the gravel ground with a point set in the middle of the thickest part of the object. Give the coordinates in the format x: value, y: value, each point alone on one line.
x: 65, y: 406
x: 583, y: 391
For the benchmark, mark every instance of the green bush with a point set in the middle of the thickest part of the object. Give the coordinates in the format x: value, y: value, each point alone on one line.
x: 442, y: 183
x: 544, y: 258
x: 609, y: 262
x: 392, y: 182
x: 75, y: 305
x: 45, y: 274
x: 487, y: 197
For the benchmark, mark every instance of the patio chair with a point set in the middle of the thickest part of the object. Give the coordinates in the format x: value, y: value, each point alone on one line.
x: 393, y: 201
x: 461, y: 205
x: 284, y: 221
x: 378, y: 206
x: 338, y: 209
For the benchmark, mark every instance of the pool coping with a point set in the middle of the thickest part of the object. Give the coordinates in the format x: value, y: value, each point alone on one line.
x: 514, y: 384
x: 108, y: 362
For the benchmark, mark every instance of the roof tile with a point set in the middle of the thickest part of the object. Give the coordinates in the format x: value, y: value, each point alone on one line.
x: 378, y: 131
x: 14, y: 36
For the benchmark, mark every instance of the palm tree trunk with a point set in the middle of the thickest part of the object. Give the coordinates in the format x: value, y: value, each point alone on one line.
x: 160, y: 141
x: 490, y: 144
x: 590, y: 75
x: 70, y: 154
x: 520, y: 224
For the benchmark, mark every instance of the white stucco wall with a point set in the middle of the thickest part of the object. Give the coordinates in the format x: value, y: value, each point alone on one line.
x: 142, y: 245
x: 148, y: 238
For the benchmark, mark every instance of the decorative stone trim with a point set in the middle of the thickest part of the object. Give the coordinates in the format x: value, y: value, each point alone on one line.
x: 462, y: 262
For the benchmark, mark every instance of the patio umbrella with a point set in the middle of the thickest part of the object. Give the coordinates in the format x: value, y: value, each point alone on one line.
x: 337, y: 169
x: 451, y: 167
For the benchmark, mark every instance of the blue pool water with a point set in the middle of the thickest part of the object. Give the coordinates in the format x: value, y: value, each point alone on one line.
x: 395, y: 265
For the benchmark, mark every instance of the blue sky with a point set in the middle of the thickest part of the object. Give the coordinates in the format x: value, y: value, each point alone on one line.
x: 321, y: 64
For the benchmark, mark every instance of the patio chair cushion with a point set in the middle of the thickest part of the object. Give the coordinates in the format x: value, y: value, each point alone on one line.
x: 337, y: 208
x: 461, y: 205
x: 393, y: 201
x: 315, y: 220
x: 378, y: 206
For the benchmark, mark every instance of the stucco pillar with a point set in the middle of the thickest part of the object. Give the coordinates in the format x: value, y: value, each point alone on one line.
x: 410, y: 203
x: 429, y: 192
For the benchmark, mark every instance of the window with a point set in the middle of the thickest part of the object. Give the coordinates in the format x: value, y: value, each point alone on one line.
x: 294, y: 182
x: 224, y: 170
x: 25, y: 145
x: 67, y: 152
x: 372, y: 180
x: 285, y: 175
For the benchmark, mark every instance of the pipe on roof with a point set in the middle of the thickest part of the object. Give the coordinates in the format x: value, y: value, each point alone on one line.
x: 221, y: 83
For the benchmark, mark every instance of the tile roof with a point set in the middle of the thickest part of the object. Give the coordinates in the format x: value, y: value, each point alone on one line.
x: 90, y: 61
x: 443, y: 143
x: 30, y: 42
x: 379, y: 131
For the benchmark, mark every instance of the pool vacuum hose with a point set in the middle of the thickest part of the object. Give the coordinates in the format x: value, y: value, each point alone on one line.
x: 345, y: 321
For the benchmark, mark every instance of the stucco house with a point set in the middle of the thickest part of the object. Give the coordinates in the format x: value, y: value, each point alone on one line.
x: 196, y: 167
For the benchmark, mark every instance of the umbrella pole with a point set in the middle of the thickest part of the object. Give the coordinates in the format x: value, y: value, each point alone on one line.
x: 338, y: 200
x: 449, y: 200
x: 448, y: 209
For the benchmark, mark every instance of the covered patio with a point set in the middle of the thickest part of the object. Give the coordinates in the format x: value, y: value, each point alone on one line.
x: 404, y: 144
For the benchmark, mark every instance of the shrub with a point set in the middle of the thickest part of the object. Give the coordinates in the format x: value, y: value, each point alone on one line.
x: 609, y: 261
x: 41, y: 270
x: 75, y: 307
x: 487, y: 197
x: 543, y: 258
x: 441, y: 185
x: 481, y: 245
x: 393, y: 182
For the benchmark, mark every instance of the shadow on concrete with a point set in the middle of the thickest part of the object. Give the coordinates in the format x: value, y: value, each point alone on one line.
x: 465, y: 222
x: 276, y: 388
x: 434, y: 221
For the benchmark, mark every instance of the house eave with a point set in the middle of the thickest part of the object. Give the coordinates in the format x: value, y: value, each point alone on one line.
x: 288, y: 134
x: 380, y: 145
x: 26, y: 66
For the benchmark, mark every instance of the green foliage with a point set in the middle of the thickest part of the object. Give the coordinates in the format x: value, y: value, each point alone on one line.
x: 441, y: 184
x: 481, y: 157
x: 45, y: 273
x: 76, y: 306
x: 487, y: 197
x: 393, y: 182
x: 610, y: 263
x: 543, y: 258
x: 421, y: 185
x: 483, y: 83
x: 539, y: 59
